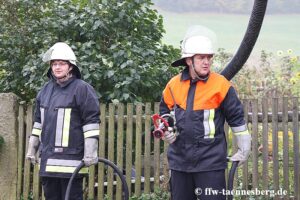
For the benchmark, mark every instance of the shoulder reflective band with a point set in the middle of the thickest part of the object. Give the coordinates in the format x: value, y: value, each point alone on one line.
x: 90, y: 130
x: 240, y: 130
x: 37, y: 129
x: 64, y: 166
x: 209, y: 124
x: 63, y: 127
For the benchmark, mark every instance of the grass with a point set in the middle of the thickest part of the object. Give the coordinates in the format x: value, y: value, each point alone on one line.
x: 279, y: 32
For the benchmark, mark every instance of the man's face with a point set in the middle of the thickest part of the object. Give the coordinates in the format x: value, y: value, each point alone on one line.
x: 202, y: 63
x: 60, y: 68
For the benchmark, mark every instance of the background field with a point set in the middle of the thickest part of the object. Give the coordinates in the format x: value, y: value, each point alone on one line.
x: 279, y: 32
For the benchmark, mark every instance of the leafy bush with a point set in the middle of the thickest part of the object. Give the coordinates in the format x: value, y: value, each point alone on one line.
x: 118, y: 45
x: 275, y: 75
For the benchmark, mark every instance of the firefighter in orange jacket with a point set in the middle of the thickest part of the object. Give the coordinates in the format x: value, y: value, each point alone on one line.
x: 202, y: 101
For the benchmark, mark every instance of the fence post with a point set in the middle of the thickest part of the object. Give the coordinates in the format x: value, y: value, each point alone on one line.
x: 265, y: 153
x: 111, y: 150
x: 8, y: 150
x: 296, y: 145
x: 254, y: 134
x: 120, y: 148
x: 102, y: 137
x: 138, y: 149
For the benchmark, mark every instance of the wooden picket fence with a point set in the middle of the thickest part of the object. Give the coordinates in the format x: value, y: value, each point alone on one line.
x: 126, y: 139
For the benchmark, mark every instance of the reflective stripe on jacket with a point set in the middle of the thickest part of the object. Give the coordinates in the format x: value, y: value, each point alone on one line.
x: 64, y: 116
x: 201, y: 111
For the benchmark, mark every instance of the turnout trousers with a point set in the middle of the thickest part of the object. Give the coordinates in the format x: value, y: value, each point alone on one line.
x: 198, y: 185
x: 55, y: 188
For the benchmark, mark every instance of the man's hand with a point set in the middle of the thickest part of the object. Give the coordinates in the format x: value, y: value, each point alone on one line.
x: 169, y: 136
x: 33, y: 145
x: 90, y: 151
x: 244, y: 148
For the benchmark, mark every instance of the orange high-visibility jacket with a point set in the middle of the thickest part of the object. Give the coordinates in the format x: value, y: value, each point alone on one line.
x: 201, y: 110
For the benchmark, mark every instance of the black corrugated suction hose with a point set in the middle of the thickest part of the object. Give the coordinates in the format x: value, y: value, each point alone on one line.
x: 248, y: 42
x: 231, y: 178
x: 124, y: 183
x: 107, y: 162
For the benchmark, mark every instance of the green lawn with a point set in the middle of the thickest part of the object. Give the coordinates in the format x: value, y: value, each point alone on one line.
x: 279, y: 32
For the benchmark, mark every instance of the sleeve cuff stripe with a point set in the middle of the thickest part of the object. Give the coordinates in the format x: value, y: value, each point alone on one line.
x: 91, y: 133
x: 239, y: 128
x: 36, y: 132
x: 242, y: 133
x: 90, y: 127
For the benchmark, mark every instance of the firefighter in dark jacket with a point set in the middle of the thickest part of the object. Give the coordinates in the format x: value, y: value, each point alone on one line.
x: 66, y: 125
x: 202, y: 100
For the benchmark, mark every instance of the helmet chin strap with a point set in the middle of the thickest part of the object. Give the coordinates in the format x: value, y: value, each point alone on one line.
x: 198, y: 77
x: 64, y: 78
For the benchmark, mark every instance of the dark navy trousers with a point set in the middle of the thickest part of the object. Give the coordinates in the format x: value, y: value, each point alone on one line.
x: 208, y: 185
x: 55, y: 188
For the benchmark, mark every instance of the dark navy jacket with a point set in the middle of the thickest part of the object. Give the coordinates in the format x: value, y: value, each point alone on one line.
x: 64, y: 116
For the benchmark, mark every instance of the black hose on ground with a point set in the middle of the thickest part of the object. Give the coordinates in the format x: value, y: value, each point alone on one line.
x: 107, y: 162
x: 231, y: 179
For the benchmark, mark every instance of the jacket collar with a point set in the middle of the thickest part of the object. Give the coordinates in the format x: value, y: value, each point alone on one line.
x: 185, y: 75
x: 66, y: 83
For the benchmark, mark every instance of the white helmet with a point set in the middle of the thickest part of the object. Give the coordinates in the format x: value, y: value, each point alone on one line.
x: 196, y: 45
x: 198, y: 40
x: 61, y: 51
